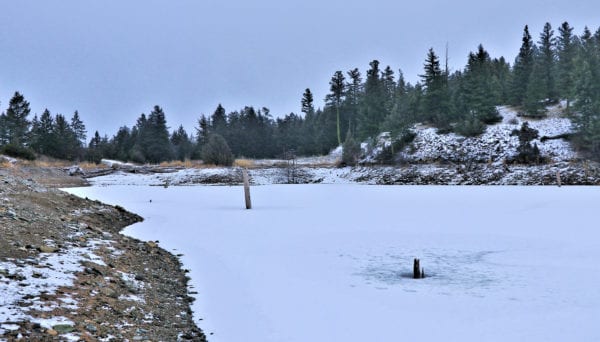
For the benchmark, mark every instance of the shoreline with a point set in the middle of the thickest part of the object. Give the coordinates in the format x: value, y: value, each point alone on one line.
x: 68, y: 273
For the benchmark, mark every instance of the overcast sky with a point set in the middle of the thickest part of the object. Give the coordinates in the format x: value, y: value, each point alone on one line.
x: 113, y: 60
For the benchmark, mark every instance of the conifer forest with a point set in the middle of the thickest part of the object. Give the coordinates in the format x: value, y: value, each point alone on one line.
x: 556, y: 65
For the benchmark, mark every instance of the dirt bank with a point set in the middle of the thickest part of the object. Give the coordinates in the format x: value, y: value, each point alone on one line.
x: 67, y: 273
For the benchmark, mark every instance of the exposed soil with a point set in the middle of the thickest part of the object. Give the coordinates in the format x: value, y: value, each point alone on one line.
x: 136, y: 291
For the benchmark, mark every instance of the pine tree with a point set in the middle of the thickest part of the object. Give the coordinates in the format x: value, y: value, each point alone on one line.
x: 587, y: 95
x: 157, y: 148
x: 216, y: 151
x: 546, y: 61
x: 15, y: 120
x: 79, y: 128
x: 436, y: 106
x: 522, y: 69
x: 64, y: 141
x: 373, y: 105
x: 353, y: 97
x: 566, y: 63
x: 182, y: 144
x: 478, y: 87
x: 350, y: 150
x: 537, y: 90
x: 337, y: 86
x: 218, y: 121
x: 309, y: 145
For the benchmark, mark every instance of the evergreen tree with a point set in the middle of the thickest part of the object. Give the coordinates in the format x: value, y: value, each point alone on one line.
x: 16, y: 125
x: 309, y: 146
x: 182, y: 145
x: 587, y: 95
x: 546, y: 61
x: 478, y: 87
x: 122, y: 144
x: 566, y: 51
x: 64, y: 141
x: 373, y: 105
x: 350, y: 150
x: 436, y: 107
x: 43, y: 134
x: 218, y: 121
x: 537, y: 90
x: 353, y: 97
x: 157, y: 148
x: 216, y: 151
x: 522, y: 69
x: 500, y: 80
x: 79, y: 128
x: 337, y: 86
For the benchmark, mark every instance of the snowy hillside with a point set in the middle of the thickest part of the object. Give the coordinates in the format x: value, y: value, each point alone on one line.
x: 495, y: 144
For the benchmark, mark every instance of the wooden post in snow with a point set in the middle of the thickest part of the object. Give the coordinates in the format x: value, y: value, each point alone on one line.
x: 416, y: 269
x: 246, y: 189
x: 558, y: 178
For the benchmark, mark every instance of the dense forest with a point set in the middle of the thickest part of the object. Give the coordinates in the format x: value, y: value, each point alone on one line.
x: 558, y: 66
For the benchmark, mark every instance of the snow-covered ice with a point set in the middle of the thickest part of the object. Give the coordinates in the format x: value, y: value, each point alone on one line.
x: 329, y: 262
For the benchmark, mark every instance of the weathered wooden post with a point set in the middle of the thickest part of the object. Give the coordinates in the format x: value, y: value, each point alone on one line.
x: 246, y: 188
x: 416, y: 269
x: 558, y: 178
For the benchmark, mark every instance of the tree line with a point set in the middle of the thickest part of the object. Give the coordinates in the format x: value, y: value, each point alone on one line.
x: 558, y: 66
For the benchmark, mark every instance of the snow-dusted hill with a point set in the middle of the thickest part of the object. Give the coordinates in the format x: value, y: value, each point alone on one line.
x: 496, y: 144
x: 431, y: 158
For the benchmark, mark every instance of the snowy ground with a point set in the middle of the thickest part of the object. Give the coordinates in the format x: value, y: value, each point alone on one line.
x: 495, y: 143
x: 328, y: 262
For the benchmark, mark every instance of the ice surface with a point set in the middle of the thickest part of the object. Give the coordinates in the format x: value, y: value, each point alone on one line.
x: 329, y: 262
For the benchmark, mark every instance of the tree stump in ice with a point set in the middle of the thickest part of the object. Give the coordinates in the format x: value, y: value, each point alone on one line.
x: 418, y: 272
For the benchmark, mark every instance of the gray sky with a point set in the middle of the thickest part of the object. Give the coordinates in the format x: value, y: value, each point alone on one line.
x: 113, y: 60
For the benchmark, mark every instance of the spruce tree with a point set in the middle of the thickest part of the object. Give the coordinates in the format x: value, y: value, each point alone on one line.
x: 157, y: 148
x: 478, y: 88
x: 587, y: 95
x: 15, y: 120
x: 353, y: 97
x: 566, y: 53
x: 373, y: 105
x: 79, y: 128
x: 182, y: 145
x: 522, y: 69
x: 546, y: 61
x: 436, y: 106
x: 337, y: 86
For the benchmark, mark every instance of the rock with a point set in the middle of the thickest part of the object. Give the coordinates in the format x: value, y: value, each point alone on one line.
x: 63, y: 328
x: 107, y: 291
x: 47, y: 249
x: 52, y: 332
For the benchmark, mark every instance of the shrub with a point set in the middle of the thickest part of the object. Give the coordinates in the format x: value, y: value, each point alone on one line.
x: 216, y: 151
x: 350, y: 150
x: 470, y: 128
x: 18, y: 151
x: 527, y: 153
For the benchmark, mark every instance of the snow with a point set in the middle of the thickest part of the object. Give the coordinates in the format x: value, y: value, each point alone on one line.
x: 22, y: 282
x: 495, y: 143
x: 329, y: 262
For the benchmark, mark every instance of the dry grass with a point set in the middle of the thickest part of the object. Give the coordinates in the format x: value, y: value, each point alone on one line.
x: 91, y: 166
x: 188, y: 164
x: 45, y: 163
x: 244, y: 163
x: 5, y: 164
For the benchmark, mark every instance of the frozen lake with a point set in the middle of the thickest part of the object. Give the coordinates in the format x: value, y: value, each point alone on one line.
x: 328, y: 262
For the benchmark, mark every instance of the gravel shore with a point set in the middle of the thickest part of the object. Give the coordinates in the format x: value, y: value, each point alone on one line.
x: 66, y: 272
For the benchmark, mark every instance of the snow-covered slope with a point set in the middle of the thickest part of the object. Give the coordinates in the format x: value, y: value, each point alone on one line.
x: 495, y: 145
